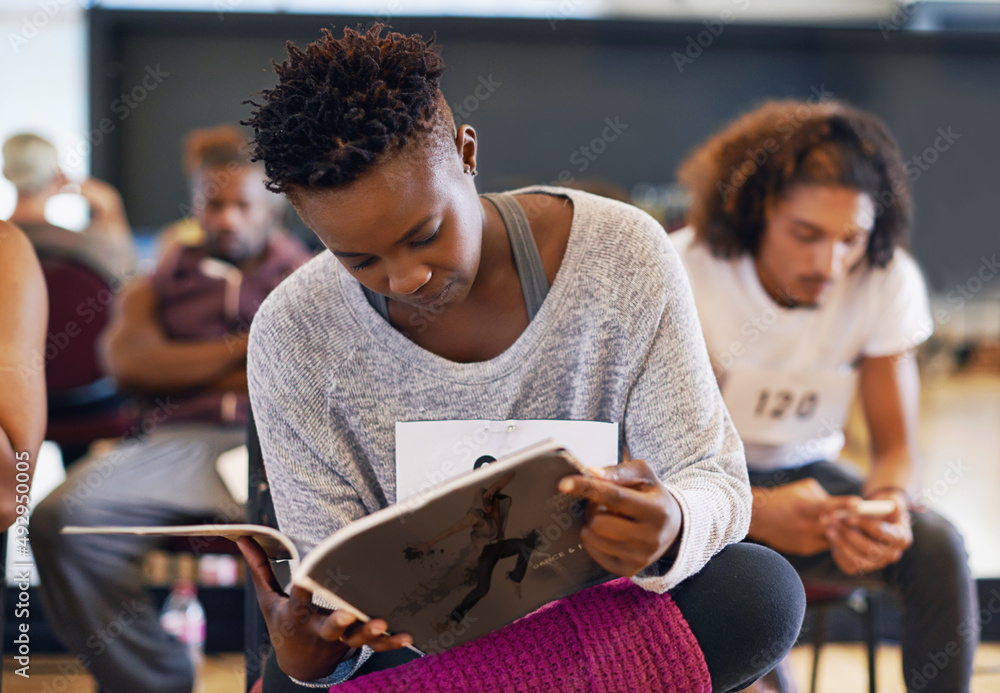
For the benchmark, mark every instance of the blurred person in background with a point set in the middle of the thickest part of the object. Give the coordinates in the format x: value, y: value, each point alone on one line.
x: 196, y: 145
x: 31, y: 163
x: 24, y: 316
x: 178, y: 337
x: 807, y: 296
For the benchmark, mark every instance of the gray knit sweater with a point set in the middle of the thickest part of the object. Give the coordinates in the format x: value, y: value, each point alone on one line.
x: 617, y: 339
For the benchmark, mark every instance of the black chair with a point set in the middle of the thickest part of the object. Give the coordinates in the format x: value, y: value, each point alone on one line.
x: 820, y: 600
x: 260, y: 510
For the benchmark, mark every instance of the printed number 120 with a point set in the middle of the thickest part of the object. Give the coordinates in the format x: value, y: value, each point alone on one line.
x: 778, y: 404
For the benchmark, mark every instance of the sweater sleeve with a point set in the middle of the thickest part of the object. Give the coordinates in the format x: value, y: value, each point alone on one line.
x: 311, y: 500
x: 677, y: 421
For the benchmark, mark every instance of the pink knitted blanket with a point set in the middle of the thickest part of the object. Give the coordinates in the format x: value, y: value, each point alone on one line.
x: 615, y: 637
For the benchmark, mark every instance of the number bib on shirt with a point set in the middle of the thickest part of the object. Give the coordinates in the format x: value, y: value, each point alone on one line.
x: 430, y: 452
x: 777, y: 407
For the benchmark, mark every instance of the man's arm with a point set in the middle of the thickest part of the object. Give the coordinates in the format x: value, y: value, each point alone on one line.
x: 890, y: 390
x: 24, y: 316
x: 107, y: 213
x: 890, y: 396
x: 139, y: 354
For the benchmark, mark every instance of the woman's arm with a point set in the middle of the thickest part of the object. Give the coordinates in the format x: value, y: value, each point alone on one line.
x: 467, y: 521
x: 499, y: 484
x: 24, y: 316
x: 675, y: 418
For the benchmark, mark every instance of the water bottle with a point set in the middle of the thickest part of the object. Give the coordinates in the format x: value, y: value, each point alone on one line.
x: 184, y: 618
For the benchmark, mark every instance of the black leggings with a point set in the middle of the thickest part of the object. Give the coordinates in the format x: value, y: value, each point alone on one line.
x: 744, y: 607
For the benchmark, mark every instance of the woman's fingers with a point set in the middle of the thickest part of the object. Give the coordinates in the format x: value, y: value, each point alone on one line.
x: 635, y: 474
x: 612, y: 555
x: 373, y: 634
x: 267, y: 586
x: 614, y: 497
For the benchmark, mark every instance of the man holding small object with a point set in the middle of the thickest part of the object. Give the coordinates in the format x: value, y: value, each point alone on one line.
x: 806, y: 296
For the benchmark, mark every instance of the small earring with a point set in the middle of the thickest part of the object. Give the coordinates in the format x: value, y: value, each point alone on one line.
x: 471, y: 171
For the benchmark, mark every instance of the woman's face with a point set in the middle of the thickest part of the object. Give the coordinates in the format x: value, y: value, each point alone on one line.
x: 410, y: 228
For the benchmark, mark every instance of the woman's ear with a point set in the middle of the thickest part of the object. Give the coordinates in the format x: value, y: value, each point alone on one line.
x: 466, y: 144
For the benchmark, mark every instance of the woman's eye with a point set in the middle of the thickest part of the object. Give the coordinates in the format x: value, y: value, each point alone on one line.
x: 361, y: 265
x: 426, y: 241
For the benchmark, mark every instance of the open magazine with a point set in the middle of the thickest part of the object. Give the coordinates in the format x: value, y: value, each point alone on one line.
x: 451, y: 564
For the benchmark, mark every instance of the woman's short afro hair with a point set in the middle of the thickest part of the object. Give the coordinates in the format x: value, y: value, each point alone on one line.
x: 766, y: 152
x: 342, y: 103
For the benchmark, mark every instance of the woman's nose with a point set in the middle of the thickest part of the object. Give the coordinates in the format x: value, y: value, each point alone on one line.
x: 408, y: 279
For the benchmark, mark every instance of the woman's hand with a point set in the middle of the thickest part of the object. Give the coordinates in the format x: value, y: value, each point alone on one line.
x: 632, y: 520
x: 309, y: 642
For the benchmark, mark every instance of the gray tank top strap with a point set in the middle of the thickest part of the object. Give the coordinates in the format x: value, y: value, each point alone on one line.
x: 527, y: 259
x: 379, y: 302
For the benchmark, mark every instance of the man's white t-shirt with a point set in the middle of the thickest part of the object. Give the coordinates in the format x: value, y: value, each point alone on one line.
x: 788, y: 375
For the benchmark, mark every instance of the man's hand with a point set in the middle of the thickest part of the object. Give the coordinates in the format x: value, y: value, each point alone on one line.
x: 309, y: 642
x: 793, y: 518
x: 862, y: 544
x: 107, y: 213
x: 632, y: 520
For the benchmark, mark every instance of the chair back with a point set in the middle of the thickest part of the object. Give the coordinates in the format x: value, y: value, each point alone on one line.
x: 84, y: 403
x: 80, y: 299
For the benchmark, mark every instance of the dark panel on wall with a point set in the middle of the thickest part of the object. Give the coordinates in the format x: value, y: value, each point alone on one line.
x: 580, y: 99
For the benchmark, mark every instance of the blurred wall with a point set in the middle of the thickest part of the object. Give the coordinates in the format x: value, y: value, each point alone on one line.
x: 556, y: 99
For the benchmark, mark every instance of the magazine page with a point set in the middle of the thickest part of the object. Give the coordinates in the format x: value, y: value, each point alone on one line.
x: 487, y: 548
x: 276, y: 545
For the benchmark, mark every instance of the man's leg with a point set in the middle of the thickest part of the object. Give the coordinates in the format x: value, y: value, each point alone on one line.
x: 940, y: 628
x: 91, y: 585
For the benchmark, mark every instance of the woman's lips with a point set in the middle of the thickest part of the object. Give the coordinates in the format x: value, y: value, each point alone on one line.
x: 436, y: 299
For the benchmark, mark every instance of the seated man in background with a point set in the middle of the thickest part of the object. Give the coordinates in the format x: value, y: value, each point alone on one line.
x: 31, y: 163
x: 196, y: 145
x: 180, y: 337
x: 24, y: 316
x: 805, y: 295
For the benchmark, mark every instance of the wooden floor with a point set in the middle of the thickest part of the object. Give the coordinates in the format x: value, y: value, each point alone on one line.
x: 960, y: 448
x: 843, y: 669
